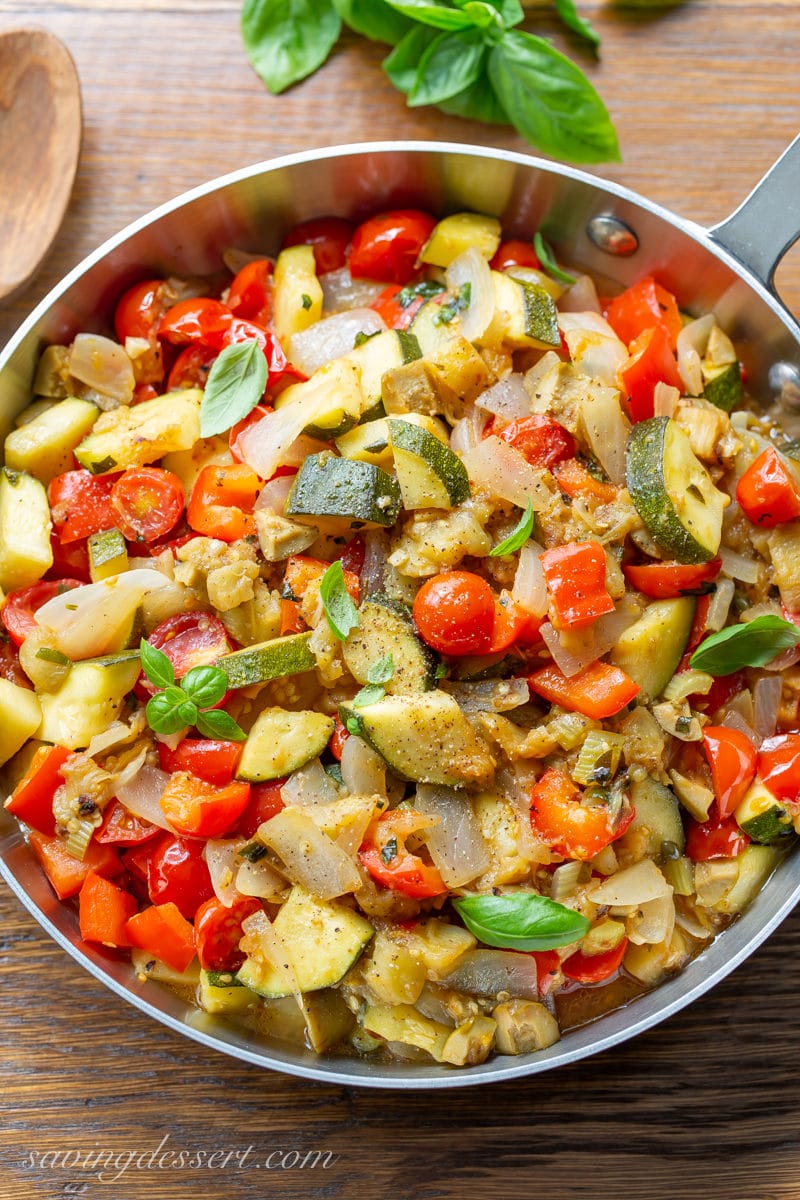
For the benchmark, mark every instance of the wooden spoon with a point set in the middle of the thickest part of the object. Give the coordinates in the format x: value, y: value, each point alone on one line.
x: 40, y: 139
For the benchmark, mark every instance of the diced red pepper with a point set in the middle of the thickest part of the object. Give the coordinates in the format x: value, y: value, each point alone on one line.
x: 575, y: 575
x: 575, y: 481
x: 539, y: 439
x: 213, y: 761
x: 390, y: 864
x: 769, y: 492
x: 598, y: 691
x: 32, y: 798
x: 222, y: 500
x: 669, y: 580
x: 569, y: 826
x: 642, y: 306
x: 651, y: 362
x: 594, y: 968
x: 67, y: 873
x: 104, y: 910
x: 732, y: 759
x: 512, y: 623
x: 197, y: 809
x: 548, y: 963
x: 162, y: 931
x: 715, y: 838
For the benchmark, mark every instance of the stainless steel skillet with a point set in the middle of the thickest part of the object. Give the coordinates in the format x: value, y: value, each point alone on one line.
x: 604, y: 228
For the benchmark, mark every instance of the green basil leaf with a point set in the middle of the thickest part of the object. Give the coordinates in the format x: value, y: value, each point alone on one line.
x: 550, y: 101
x: 286, y: 40
x: 477, y: 103
x: 370, y: 694
x: 163, y: 717
x: 547, y: 259
x: 402, y: 65
x: 422, y: 290
x: 511, y: 11
x: 573, y: 20
x: 450, y: 64
x: 336, y: 602
x: 374, y: 19
x: 187, y: 712
x: 382, y: 670
x: 174, y: 696
x: 51, y: 655
x: 156, y: 666
x: 520, y: 921
x: 519, y: 535
x: 749, y: 644
x: 428, y: 12
x: 353, y: 726
x: 216, y: 723
x: 234, y: 387
x: 205, y: 685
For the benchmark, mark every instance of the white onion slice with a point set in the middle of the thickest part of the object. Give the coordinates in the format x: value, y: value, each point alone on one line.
x: 691, y: 346
x: 507, y: 399
x: 142, y: 794
x: 332, y: 337
x: 585, y: 646
x: 504, y: 472
x: 264, y: 445
x: 471, y: 269
x: 310, y: 858
x: 766, y: 704
x: 222, y: 859
x: 737, y: 566
x: 456, y: 843
x: 88, y: 621
x: 653, y: 922
x: 720, y: 605
x: 363, y: 769
x: 733, y: 719
x: 259, y: 879
x: 467, y: 433
x: 310, y: 785
x: 581, y: 296
x: 102, y: 365
x: 274, y: 494
x: 340, y: 290
x: 593, y: 346
x: 665, y: 399
x: 488, y: 972
x: 529, y: 589
x: 607, y: 430
x: 634, y: 885
x: 260, y: 941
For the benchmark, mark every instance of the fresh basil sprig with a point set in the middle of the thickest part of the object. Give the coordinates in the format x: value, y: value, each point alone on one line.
x: 521, y: 921
x: 518, y: 536
x: 175, y: 706
x: 466, y: 56
x: 337, y: 604
x: 749, y: 644
x: 234, y: 387
x: 547, y: 259
x: 378, y: 674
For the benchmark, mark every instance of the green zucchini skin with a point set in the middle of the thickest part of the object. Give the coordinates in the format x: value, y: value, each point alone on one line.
x: 429, y: 473
x: 342, y: 489
x: 386, y: 628
x: 268, y: 660
x: 672, y: 491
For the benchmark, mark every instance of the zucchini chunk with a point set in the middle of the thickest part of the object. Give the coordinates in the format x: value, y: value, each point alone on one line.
x: 385, y: 628
x: 43, y: 446
x: 88, y: 701
x: 761, y: 817
x: 391, y: 348
x: 322, y: 940
x: 459, y: 232
x: 332, y: 396
x: 722, y: 385
x: 656, y: 814
x: 230, y: 996
x: 369, y: 442
x: 20, y: 717
x: 755, y: 864
x: 297, y: 295
x: 425, y: 738
x: 132, y: 437
x: 429, y: 473
x: 25, y: 528
x: 108, y: 554
x: 673, y: 492
x: 650, y: 650
x: 268, y: 660
x: 335, y: 493
x: 525, y: 315
x: 281, y: 741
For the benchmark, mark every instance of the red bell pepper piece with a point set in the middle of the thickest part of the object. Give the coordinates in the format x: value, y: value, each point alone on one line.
x: 104, y: 910
x: 669, y: 580
x: 303, y: 572
x: 66, y: 873
x: 778, y: 765
x: 768, y: 492
x: 651, y: 361
x: 598, y: 691
x: 594, y: 968
x: 222, y: 500
x: 548, y: 964
x: 213, y: 761
x: 567, y: 825
x: 575, y: 575
x: 162, y: 931
x: 512, y: 623
x: 575, y: 481
x: 732, y: 759
x: 195, y: 808
x: 539, y: 439
x: 715, y: 838
x: 32, y: 798
x: 396, y: 314
x: 642, y: 306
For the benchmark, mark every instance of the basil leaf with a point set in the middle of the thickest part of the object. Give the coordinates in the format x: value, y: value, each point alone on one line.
x: 382, y: 670
x: 428, y: 12
x: 370, y: 694
x: 422, y: 290
x: 338, y: 606
x: 374, y: 19
x: 547, y: 259
x: 216, y: 723
x: 174, y: 696
x: 749, y: 644
x: 402, y: 64
x: 353, y: 726
x: 205, y: 685
x: 286, y: 40
x: 187, y: 712
x: 477, y: 103
x: 156, y: 666
x: 163, y: 717
x: 51, y: 655
x: 234, y: 387
x: 520, y: 921
x: 518, y: 537
x: 449, y: 65
x: 573, y: 20
x: 550, y: 101
x: 511, y: 11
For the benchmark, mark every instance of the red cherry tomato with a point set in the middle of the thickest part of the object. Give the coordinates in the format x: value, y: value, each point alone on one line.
x: 539, y: 439
x: 265, y: 802
x: 512, y: 623
x: 594, y: 968
x: 732, y: 759
x: 177, y: 873
x: 10, y: 668
x: 779, y: 765
x: 769, y: 492
x: 213, y: 761
x: 197, y: 320
x: 218, y: 931
x: 390, y: 864
x: 387, y: 247
x: 250, y: 294
x: 570, y: 827
x: 715, y: 838
x: 122, y: 828
x: 191, y: 367
x: 193, y: 639
x: 148, y: 502
x: 139, y: 310
x: 71, y: 559
x: 329, y: 236
x: 197, y: 809
x: 17, y: 613
x: 455, y: 613
x: 80, y: 504
x: 515, y: 253
x: 669, y: 580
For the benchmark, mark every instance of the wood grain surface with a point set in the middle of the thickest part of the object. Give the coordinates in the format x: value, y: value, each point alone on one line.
x: 98, y: 1101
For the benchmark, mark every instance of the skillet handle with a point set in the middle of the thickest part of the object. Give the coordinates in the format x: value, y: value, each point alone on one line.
x: 767, y: 223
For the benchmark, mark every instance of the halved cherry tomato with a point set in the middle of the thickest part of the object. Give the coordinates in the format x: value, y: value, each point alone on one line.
x: 715, y: 838
x: 222, y: 500
x: 539, y: 439
x: 199, y: 319
x: 455, y: 613
x: 194, y: 639
x: 252, y: 418
x: 390, y: 306
x: 642, y: 306
x: 594, y: 968
x: 177, y: 873
x: 148, y: 502
x: 140, y: 309
x: 768, y: 492
x: 303, y: 572
x: 598, y: 691
x: 213, y: 761
x: 122, y: 828
x: 515, y: 253
x: 387, y: 246
x: 163, y: 931
x: 512, y: 623
x: 70, y: 559
x: 191, y: 367
x: 385, y: 856
x: 80, y: 504
x: 198, y: 809
x: 265, y: 802
x: 567, y: 825
x: 575, y: 574
x: 576, y: 481
x: 732, y: 759
x: 651, y: 361
x: 104, y: 910
x: 17, y: 613
x: 250, y: 294
x: 66, y: 873
x: 218, y: 931
x: 32, y: 798
x: 778, y: 765
x: 669, y: 580
x: 329, y: 236
x: 338, y: 738
x: 10, y: 668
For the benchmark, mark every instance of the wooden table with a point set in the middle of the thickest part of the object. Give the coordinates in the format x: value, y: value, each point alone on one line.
x: 705, y: 96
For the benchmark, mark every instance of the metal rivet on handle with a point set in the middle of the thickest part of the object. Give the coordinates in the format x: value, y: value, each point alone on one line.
x: 612, y: 236
x: 784, y: 379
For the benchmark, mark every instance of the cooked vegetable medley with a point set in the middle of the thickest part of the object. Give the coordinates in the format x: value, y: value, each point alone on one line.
x: 399, y: 644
